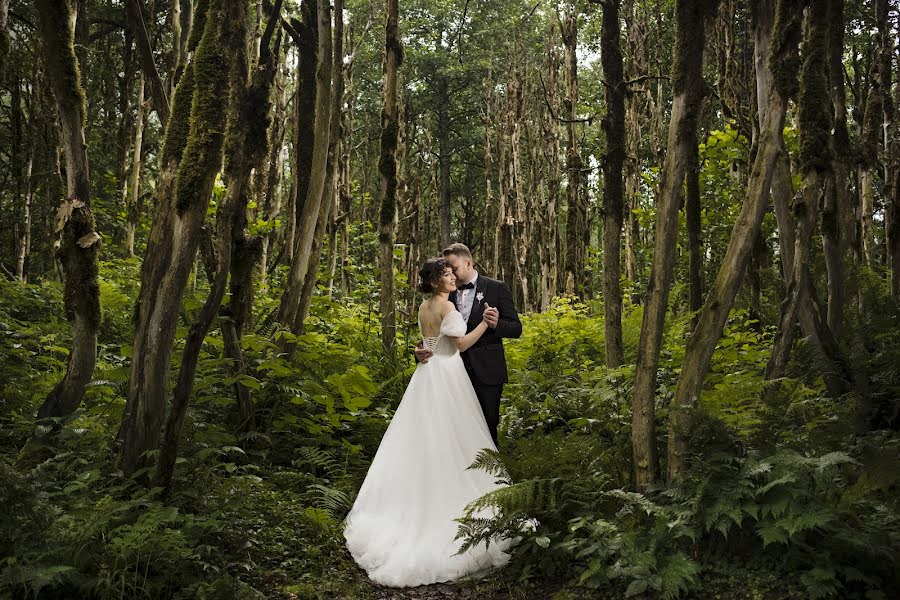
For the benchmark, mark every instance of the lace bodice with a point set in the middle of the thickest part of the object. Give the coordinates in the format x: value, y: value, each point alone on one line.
x: 452, y: 326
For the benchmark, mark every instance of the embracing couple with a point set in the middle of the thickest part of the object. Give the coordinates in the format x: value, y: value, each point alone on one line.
x: 401, y: 528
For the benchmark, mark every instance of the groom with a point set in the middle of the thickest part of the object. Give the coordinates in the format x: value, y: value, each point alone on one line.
x: 478, y: 297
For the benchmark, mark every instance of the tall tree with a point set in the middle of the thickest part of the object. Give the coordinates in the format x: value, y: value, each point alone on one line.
x: 191, y: 159
x: 79, y: 243
x: 838, y: 225
x: 701, y: 344
x: 688, y: 90
x: 576, y: 211
x: 244, y: 149
x: 613, y: 182
x: 549, y: 228
x: 387, y: 167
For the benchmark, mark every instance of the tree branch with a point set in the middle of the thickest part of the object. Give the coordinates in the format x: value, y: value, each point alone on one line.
x: 134, y: 11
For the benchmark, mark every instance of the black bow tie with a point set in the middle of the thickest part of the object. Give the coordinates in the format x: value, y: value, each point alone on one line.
x: 467, y: 286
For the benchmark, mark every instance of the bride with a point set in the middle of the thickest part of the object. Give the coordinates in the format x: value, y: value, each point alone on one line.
x: 401, y: 528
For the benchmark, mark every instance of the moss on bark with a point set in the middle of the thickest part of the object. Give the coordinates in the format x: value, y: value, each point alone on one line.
x: 814, y: 101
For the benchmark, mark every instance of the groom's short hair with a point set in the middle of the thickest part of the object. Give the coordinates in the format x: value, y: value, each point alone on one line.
x: 458, y: 249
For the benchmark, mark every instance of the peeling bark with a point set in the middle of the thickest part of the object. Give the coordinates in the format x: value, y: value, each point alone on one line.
x: 79, y: 243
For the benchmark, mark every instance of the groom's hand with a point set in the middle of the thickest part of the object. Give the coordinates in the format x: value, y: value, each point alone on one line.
x: 422, y: 353
x: 491, y: 315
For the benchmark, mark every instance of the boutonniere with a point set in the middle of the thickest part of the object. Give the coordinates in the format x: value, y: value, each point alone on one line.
x: 479, y: 296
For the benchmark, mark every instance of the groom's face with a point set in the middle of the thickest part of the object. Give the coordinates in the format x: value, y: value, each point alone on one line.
x: 462, y: 268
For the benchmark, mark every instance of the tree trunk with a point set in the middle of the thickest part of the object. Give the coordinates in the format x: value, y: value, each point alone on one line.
x: 289, y: 314
x: 443, y: 131
x: 387, y: 167
x: 307, y: 89
x: 613, y: 183
x: 79, y: 243
x: 191, y: 159
x: 244, y: 149
x: 636, y: 65
x: 688, y: 89
x: 132, y: 208
x: 325, y: 210
x: 702, y: 343
x: 890, y: 143
x: 515, y: 224
x: 838, y: 224
x: 692, y: 210
x: 549, y: 218
x: 576, y: 213
x: 23, y: 242
x: 4, y: 37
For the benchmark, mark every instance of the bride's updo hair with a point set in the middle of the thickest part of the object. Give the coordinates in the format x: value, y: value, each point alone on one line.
x: 431, y: 273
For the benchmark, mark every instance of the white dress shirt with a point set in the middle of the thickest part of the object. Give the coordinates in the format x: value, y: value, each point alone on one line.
x: 466, y: 298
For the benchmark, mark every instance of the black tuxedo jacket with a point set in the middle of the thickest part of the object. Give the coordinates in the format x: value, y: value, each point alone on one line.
x: 486, y: 357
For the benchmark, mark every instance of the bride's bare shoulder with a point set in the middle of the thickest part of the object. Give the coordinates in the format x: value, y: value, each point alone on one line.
x: 447, y: 307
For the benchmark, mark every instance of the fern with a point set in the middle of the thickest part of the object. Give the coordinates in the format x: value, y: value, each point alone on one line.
x: 489, y: 461
x: 320, y: 461
x: 335, y: 502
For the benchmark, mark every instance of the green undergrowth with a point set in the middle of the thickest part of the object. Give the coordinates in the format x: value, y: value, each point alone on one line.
x: 795, y: 498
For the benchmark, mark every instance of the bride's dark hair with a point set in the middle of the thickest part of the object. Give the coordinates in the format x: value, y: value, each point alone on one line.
x: 430, y: 273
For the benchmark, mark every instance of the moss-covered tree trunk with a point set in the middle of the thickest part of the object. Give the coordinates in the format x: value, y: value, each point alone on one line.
x: 183, y: 195
x: 244, y: 149
x: 702, y: 342
x: 289, y: 314
x: 613, y: 182
x: 387, y: 167
x: 78, y: 243
x: 688, y: 90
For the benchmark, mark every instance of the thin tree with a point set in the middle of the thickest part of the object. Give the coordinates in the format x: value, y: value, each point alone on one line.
x: 79, y: 242
x: 688, y: 90
x: 244, y: 149
x: 576, y: 213
x: 191, y: 159
x: 289, y: 313
x: 702, y: 342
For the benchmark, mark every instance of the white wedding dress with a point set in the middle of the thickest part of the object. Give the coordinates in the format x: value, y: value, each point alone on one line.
x: 401, y: 528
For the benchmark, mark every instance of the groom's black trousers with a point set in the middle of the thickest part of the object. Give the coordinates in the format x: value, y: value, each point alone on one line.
x: 489, y: 399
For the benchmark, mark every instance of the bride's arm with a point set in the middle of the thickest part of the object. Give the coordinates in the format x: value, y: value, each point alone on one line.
x: 465, y: 342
